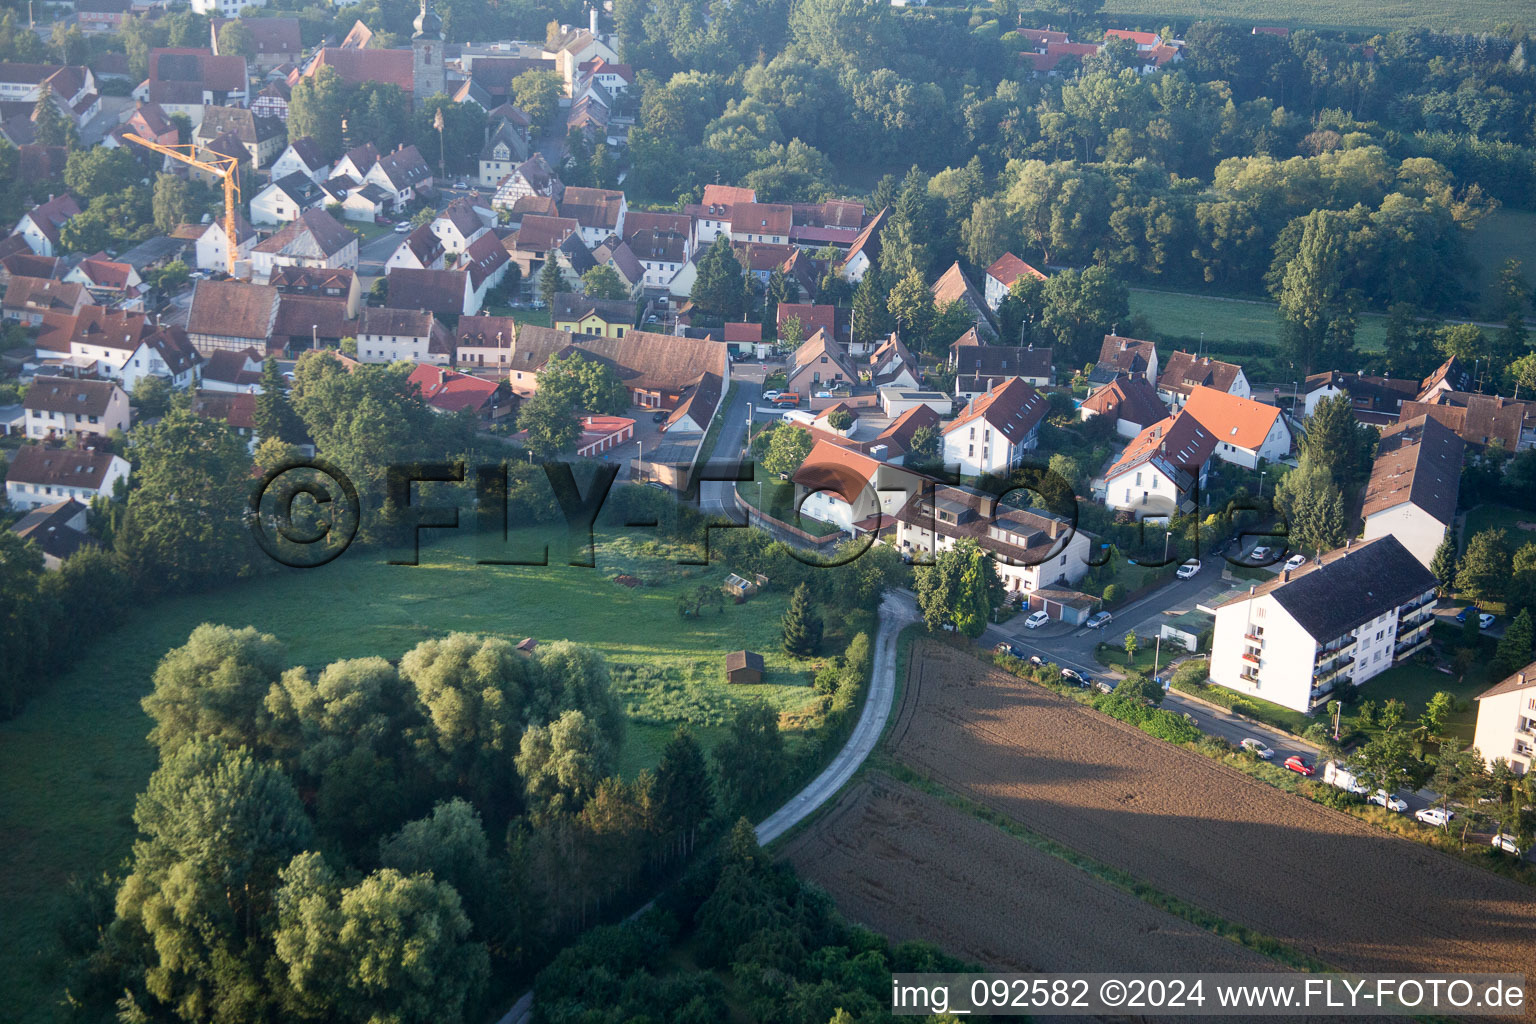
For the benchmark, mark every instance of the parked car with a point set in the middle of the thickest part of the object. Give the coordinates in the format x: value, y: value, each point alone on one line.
x: 1038, y: 662
x: 1296, y: 561
x: 1257, y: 749
x: 1004, y: 647
x: 1436, y: 816
x: 1036, y: 619
x: 1296, y: 764
x: 1188, y: 569
x: 1075, y: 678
x: 1391, y: 801
x: 1470, y: 609
x: 660, y: 416
x: 1098, y: 620
x: 403, y: 228
x: 1485, y: 620
x: 1506, y: 842
x: 769, y: 396
x: 461, y: 184
x: 788, y: 398
x: 1258, y: 554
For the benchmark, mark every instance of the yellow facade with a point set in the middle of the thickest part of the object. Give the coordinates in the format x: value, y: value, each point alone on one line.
x: 592, y: 323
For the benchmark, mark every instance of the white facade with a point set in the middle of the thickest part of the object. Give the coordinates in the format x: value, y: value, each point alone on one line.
x: 224, y: 8
x: 388, y: 348
x: 23, y: 495
x: 1417, y: 530
x: 289, y: 162
x: 274, y: 206
x: 146, y: 362
x: 42, y: 424
x: 1276, y: 444
x: 1506, y: 722
x: 1259, y: 649
x: 1145, y: 490
x: 1064, y: 567
x: 979, y: 447
x: 213, y: 248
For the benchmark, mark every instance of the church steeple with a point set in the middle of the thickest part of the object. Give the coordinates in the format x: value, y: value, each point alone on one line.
x: 429, y: 79
x: 428, y: 24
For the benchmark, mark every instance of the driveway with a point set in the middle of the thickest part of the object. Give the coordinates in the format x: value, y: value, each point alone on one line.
x: 715, y: 495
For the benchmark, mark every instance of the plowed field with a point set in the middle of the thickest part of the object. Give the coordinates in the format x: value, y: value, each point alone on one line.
x: 1319, y: 880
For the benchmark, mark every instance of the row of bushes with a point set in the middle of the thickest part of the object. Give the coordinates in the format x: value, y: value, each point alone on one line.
x: 1134, y: 701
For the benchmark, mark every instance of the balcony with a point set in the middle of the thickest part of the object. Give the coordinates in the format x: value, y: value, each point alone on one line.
x: 1329, y: 675
x: 1320, y: 695
x: 1522, y: 749
x: 1254, y: 638
x: 1251, y: 658
x: 1404, y: 648
x: 1335, y: 649
x: 1422, y: 617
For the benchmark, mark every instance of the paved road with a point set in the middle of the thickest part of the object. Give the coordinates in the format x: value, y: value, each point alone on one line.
x: 897, y: 611
x: 715, y: 495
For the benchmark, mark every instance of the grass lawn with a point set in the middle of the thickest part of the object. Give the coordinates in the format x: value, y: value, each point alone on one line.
x: 75, y: 759
x: 367, y: 230
x: 777, y: 499
x: 1114, y: 657
x: 1503, y: 234
x: 1478, y: 15
x: 1495, y: 517
x: 1414, y: 684
x: 1229, y: 319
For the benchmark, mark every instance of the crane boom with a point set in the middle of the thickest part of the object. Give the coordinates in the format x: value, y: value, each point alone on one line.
x: 224, y: 167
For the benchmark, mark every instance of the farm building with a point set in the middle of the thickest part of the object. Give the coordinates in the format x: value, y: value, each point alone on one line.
x: 743, y: 667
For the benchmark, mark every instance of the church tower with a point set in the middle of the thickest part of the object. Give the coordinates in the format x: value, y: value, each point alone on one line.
x: 427, y: 54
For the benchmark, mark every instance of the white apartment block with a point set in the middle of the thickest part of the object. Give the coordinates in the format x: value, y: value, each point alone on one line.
x: 1335, y: 622
x: 1506, y: 721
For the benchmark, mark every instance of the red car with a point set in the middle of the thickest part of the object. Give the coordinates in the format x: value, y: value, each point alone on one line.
x: 1297, y: 765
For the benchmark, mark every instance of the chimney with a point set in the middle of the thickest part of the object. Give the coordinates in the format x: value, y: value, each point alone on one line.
x: 442, y: 375
x: 592, y: 20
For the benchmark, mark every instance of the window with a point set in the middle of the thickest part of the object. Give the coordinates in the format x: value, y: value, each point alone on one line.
x: 1380, y: 633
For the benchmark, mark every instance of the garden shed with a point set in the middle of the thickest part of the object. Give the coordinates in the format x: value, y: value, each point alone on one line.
x: 743, y: 667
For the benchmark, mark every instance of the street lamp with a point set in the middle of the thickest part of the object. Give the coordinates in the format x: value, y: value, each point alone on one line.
x: 1262, y: 474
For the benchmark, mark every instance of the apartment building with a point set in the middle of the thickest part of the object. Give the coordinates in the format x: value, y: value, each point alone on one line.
x: 1506, y: 721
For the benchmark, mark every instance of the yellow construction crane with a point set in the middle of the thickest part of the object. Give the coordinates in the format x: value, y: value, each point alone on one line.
x: 220, y: 166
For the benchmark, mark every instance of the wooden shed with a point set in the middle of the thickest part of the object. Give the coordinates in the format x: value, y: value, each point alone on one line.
x: 741, y: 588
x: 743, y: 667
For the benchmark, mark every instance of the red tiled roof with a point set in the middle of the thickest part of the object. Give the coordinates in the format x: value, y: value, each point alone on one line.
x: 1009, y: 268
x: 449, y: 390
x: 1013, y: 410
x: 1240, y: 422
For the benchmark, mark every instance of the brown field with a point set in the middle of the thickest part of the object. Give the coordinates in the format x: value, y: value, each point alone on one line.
x: 1321, y: 881
x: 912, y: 867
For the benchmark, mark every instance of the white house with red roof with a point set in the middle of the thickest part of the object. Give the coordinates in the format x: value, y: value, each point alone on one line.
x: 1158, y: 472
x: 109, y: 281
x: 1001, y: 275
x: 851, y: 490
x: 1245, y: 431
x: 39, y: 226
x: 994, y: 431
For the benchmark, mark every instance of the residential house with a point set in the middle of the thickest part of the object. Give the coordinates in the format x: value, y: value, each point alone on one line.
x: 302, y: 156
x: 315, y: 240
x: 168, y: 354
x: 1376, y: 400
x: 486, y: 262
x: 892, y: 365
x: 329, y: 283
x: 899, y: 401
x: 505, y: 147
x: 532, y: 177
x: 835, y: 222
x: 40, y: 225
x: 609, y: 318
x: 150, y: 121
x: 1119, y: 355
x: 1129, y: 402
x: 58, y: 530
x: 485, y: 342
x: 96, y: 16
x: 28, y: 298
x: 599, y: 211
x: 537, y: 240
x: 272, y: 100
x: 812, y: 318
x: 1246, y: 432
x: 954, y: 286
x: 1413, y: 487
x: 442, y: 292
x: 1451, y: 375
x: 992, y: 434
x: 980, y: 368
x: 818, y: 364
x: 617, y: 254
x: 744, y: 339
x: 231, y: 315
x: 1185, y: 371
x: 419, y: 250
x: 1159, y: 473
x: 212, y: 246
x: 41, y: 476
x: 284, y: 199
x: 236, y: 411
x: 273, y: 41
x: 661, y: 242
x: 711, y: 216
x: 108, y: 281
x: 1000, y: 277
x: 186, y: 80
x: 233, y: 373
x: 1310, y: 633
x: 1032, y: 548
x: 60, y: 407
x: 865, y: 249
x: 263, y: 138
x: 311, y: 321
x: 1480, y: 420
x: 1506, y: 721
x: 447, y: 391
x: 457, y: 225
x: 226, y: 8
x: 850, y: 490
x: 762, y: 222
x: 386, y: 335
x: 894, y: 443
x: 401, y: 174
